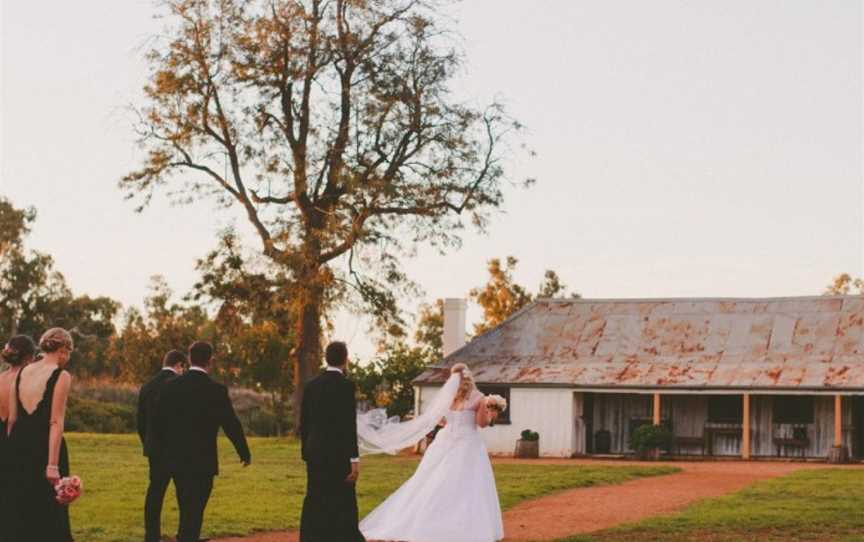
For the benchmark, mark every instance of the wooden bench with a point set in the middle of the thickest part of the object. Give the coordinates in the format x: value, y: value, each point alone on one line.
x: 689, y: 442
x: 801, y: 444
x: 713, y: 432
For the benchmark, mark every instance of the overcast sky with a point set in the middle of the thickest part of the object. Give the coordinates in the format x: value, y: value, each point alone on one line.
x: 685, y: 148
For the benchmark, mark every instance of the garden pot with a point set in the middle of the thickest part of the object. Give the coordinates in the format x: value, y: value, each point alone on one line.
x: 837, y: 454
x: 527, y: 449
x: 649, y: 455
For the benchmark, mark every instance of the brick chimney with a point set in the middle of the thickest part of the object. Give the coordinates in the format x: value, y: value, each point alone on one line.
x: 454, y: 324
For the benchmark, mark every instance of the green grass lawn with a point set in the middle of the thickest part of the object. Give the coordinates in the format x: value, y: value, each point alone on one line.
x: 268, y: 495
x: 815, y: 505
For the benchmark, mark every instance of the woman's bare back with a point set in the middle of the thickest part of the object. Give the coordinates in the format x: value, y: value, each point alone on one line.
x: 7, y: 381
x: 34, y: 380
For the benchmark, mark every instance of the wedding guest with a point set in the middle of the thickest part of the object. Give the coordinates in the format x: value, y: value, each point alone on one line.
x: 189, y: 413
x: 17, y: 353
x: 39, y: 457
x: 148, y: 398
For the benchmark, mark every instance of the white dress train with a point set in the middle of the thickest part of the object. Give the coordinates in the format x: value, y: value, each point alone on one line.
x: 452, y: 495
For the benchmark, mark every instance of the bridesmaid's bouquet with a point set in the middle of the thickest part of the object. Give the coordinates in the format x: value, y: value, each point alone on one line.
x: 68, y: 489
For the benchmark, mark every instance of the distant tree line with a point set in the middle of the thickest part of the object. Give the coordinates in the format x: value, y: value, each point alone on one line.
x: 230, y: 306
x: 238, y: 303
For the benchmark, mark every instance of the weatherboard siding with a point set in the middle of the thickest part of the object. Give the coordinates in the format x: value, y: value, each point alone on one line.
x: 549, y: 412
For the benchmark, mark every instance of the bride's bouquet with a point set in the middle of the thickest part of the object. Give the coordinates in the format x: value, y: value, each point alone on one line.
x: 496, y: 403
x: 68, y: 489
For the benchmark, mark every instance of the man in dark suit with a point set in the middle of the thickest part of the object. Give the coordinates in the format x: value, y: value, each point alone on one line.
x: 148, y: 399
x: 328, y: 428
x: 191, y: 410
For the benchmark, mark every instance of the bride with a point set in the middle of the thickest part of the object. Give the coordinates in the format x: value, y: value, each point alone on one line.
x: 452, y: 495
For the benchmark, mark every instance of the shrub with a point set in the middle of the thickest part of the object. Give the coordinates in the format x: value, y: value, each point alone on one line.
x: 106, y: 391
x: 386, y: 382
x: 530, y: 436
x: 262, y: 421
x: 88, y: 416
x: 651, y: 437
x: 102, y: 406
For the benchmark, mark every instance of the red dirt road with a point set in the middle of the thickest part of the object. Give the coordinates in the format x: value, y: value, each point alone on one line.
x: 591, y: 509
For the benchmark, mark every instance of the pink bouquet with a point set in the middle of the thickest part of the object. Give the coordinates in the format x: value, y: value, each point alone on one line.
x: 68, y: 489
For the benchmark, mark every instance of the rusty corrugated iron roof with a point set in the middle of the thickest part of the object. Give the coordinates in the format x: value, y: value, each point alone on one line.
x: 775, y: 343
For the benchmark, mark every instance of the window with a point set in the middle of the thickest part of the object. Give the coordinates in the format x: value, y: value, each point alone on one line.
x: 725, y: 409
x: 504, y: 417
x: 793, y: 409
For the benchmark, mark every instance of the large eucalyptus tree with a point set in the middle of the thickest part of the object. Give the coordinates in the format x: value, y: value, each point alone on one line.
x: 332, y: 124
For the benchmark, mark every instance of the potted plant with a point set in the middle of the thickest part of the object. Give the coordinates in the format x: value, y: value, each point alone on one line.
x: 648, y: 440
x: 528, y: 446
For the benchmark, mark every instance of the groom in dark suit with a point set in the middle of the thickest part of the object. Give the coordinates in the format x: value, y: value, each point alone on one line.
x: 328, y: 429
x: 191, y: 411
x: 148, y: 399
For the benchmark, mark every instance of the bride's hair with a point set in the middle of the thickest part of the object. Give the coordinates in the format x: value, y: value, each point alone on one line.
x: 466, y: 385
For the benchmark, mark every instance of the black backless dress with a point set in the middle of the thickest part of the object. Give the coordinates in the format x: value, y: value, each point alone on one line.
x: 4, y: 483
x: 37, y: 516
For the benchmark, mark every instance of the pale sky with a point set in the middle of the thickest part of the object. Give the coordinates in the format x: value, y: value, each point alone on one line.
x: 685, y: 148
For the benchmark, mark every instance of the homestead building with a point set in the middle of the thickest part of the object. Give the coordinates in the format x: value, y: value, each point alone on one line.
x: 748, y: 378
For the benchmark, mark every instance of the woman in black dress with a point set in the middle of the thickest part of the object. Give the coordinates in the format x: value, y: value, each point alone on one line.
x: 38, y: 451
x: 17, y: 353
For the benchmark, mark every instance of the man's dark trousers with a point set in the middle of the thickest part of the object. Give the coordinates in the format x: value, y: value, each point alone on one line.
x: 330, y: 507
x: 159, y: 480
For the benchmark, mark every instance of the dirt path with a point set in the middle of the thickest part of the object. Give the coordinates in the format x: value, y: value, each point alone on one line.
x: 591, y: 509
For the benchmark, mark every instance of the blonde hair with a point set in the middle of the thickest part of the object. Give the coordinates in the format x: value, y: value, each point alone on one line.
x: 466, y: 385
x: 54, y: 339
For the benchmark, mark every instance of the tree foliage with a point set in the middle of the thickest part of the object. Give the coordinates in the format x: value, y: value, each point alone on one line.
x: 501, y: 296
x: 35, y: 297
x: 429, y: 334
x: 147, y: 335
x: 255, y: 316
x: 844, y: 284
x: 332, y: 125
x: 386, y: 382
x: 244, y: 324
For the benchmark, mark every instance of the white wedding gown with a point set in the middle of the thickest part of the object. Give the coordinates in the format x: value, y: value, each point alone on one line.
x: 452, y: 495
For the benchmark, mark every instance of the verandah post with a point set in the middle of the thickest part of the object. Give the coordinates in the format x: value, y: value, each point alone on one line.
x: 745, y: 435
x: 837, y: 454
x: 838, y: 421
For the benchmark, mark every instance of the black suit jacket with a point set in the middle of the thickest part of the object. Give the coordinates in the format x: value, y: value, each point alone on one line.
x: 328, y: 420
x: 190, y: 412
x: 148, y: 399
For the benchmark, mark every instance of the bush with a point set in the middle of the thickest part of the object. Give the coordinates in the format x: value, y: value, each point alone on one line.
x: 262, y: 421
x: 651, y: 437
x: 88, y: 416
x: 530, y: 436
x: 386, y: 382
x: 262, y: 414
x: 101, y: 406
x: 106, y: 391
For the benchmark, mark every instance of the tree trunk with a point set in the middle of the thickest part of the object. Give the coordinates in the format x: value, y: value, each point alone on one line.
x: 282, y: 398
x: 307, y: 359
